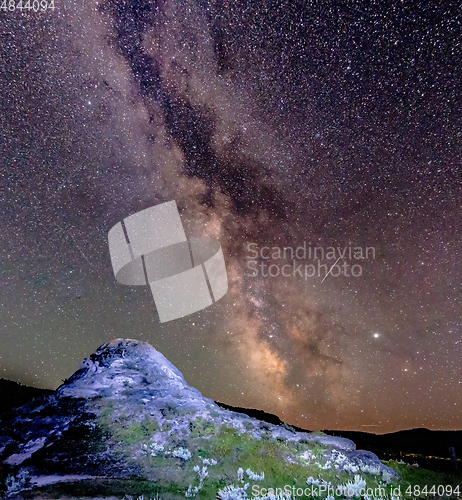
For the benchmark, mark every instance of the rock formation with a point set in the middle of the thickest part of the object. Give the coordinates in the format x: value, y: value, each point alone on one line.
x: 128, y: 412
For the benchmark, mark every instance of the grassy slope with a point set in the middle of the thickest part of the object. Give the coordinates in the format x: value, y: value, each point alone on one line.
x: 170, y: 476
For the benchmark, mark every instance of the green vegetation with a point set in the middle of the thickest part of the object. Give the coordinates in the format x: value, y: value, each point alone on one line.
x: 169, y: 411
x: 248, y: 425
x: 201, y: 427
x: 265, y: 455
x: 106, y: 417
x: 417, y: 482
x: 166, y: 477
x: 166, y: 427
x: 135, y: 432
x: 122, y: 428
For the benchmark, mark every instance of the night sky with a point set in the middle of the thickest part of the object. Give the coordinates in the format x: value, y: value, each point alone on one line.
x: 272, y: 124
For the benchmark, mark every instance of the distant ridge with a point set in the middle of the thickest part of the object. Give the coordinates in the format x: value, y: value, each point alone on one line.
x: 14, y: 395
x: 413, y: 445
x: 426, y: 447
x: 259, y: 414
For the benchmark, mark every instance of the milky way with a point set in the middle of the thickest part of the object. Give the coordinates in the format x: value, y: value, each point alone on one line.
x: 273, y: 125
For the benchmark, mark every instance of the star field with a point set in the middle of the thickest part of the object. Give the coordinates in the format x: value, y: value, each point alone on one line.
x: 334, y: 124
